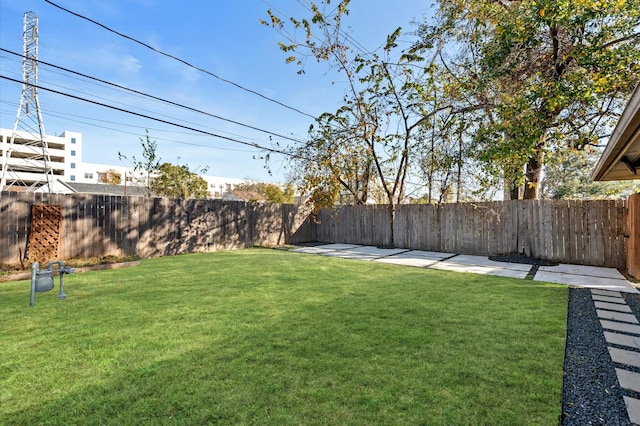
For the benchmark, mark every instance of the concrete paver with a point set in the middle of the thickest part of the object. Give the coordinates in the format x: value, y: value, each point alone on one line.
x: 622, y: 339
x: 377, y: 251
x: 612, y: 306
x: 628, y: 379
x: 483, y: 265
x: 465, y: 259
x: 475, y: 269
x: 613, y: 284
x: 606, y: 292
x: 312, y: 250
x: 348, y: 254
x: 435, y: 255
x: 339, y: 246
x: 417, y: 258
x: 364, y: 253
x: 620, y: 326
x: 617, y: 316
x: 623, y: 356
x: 608, y: 299
x: 408, y: 261
x: 633, y: 409
x: 587, y: 271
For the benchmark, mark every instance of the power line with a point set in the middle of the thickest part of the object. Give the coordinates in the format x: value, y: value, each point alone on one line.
x: 141, y: 127
x: 160, y: 120
x: 158, y: 98
x: 66, y: 116
x: 168, y: 55
x: 61, y: 87
x: 346, y: 35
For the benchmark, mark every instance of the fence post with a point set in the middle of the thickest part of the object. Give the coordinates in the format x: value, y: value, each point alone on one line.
x: 633, y: 232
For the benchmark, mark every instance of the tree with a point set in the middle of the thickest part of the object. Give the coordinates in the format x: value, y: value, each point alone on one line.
x: 569, y: 177
x: 545, y: 76
x: 178, y: 182
x: 149, y: 165
x: 271, y: 193
x: 275, y: 194
x: 371, y: 139
x: 110, y: 177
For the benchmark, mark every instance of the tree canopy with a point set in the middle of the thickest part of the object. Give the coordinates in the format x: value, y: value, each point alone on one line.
x: 178, y: 182
x: 269, y: 192
x: 545, y: 75
x: 489, y: 91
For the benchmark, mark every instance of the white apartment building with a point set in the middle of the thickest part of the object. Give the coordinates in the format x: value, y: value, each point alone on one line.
x: 65, y: 153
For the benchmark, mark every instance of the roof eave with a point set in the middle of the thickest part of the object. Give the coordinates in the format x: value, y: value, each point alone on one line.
x: 624, y: 134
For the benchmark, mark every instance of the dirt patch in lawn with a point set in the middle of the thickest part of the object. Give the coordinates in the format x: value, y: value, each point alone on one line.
x: 16, y: 271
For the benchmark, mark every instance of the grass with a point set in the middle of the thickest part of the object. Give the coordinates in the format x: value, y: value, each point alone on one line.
x: 272, y: 337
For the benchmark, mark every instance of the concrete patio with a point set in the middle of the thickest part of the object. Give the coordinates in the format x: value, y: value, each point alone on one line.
x: 575, y: 275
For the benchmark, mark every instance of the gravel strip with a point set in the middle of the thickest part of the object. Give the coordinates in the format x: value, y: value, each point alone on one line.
x: 590, y: 394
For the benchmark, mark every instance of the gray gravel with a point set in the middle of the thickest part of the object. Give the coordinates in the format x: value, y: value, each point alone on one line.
x: 591, y: 395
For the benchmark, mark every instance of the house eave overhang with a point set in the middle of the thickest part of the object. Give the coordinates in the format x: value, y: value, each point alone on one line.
x: 621, y: 157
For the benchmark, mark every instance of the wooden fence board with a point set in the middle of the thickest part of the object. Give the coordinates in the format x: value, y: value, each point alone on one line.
x: 620, y: 231
x: 633, y: 231
x: 563, y: 231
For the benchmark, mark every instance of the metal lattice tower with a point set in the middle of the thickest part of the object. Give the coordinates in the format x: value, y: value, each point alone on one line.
x: 26, y: 162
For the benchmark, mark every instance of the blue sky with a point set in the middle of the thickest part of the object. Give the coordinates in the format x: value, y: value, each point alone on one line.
x: 222, y: 37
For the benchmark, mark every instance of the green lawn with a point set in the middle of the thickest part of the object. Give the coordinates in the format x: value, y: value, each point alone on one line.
x: 273, y: 337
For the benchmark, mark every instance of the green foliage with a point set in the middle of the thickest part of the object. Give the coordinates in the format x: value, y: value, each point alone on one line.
x: 178, y: 182
x: 269, y: 192
x: 275, y: 194
x: 148, y: 165
x: 569, y: 177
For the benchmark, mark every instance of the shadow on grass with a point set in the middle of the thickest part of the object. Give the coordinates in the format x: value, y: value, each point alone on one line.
x: 383, y: 355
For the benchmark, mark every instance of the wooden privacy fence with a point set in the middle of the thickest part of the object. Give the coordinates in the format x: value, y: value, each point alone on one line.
x: 95, y: 225
x: 580, y: 232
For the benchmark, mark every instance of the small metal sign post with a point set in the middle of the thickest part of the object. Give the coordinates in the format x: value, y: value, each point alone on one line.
x: 42, y: 279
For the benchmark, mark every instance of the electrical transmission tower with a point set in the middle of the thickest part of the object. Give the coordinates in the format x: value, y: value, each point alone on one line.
x: 26, y: 162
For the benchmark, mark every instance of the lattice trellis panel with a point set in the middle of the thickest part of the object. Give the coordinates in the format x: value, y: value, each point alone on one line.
x: 45, y: 234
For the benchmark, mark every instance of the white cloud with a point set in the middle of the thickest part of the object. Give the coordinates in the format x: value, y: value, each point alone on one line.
x: 130, y: 64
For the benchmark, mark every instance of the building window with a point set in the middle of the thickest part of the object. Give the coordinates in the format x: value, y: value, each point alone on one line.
x: 73, y: 140
x: 73, y: 165
x: 73, y: 153
x: 88, y: 175
x: 73, y: 178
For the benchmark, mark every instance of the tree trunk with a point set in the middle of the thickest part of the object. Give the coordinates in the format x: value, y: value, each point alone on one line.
x: 392, y: 217
x: 532, y: 176
x: 514, y: 191
x: 511, y: 187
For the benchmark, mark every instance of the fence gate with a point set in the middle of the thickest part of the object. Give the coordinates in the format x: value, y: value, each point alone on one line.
x: 44, y: 235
